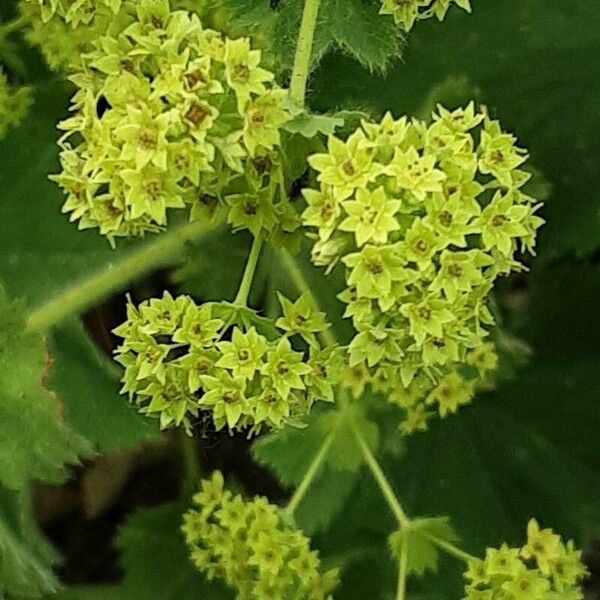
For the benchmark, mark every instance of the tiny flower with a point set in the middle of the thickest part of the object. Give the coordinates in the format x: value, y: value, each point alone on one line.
x: 347, y: 166
x: 416, y: 174
x: 243, y: 354
x: 370, y: 216
x: 244, y: 74
x: 286, y: 368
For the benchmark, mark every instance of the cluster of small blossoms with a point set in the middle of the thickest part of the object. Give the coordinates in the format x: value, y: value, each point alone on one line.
x: 247, y: 545
x: 14, y: 104
x: 74, y: 12
x: 424, y: 218
x: 64, y: 43
x: 543, y: 569
x: 407, y: 12
x: 169, y: 115
x: 181, y: 359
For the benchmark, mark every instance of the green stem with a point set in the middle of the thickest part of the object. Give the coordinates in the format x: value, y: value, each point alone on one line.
x: 242, y: 296
x: 380, y: 478
x: 452, y: 550
x: 310, y: 474
x: 163, y: 250
x: 13, y: 26
x: 291, y: 266
x: 191, y: 467
x: 304, y: 51
x: 401, y: 593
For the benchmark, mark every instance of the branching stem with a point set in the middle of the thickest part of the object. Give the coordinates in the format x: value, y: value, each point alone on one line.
x: 304, y: 46
x: 383, y: 483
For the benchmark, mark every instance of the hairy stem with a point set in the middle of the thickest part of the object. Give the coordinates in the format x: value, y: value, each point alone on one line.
x: 291, y: 266
x: 401, y: 593
x: 165, y: 249
x: 310, y: 474
x: 304, y: 51
x: 13, y: 26
x: 380, y: 478
x: 242, y: 296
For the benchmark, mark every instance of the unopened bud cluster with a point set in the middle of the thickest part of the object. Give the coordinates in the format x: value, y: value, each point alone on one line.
x: 545, y: 568
x: 425, y: 218
x: 246, y: 371
x: 169, y: 115
x: 247, y: 545
x: 407, y: 12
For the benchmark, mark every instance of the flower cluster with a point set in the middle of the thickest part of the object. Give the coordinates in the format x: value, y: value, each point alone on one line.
x: 247, y: 545
x: 407, y: 12
x: 63, y: 44
x: 170, y: 115
x: 543, y: 569
x: 181, y: 358
x: 81, y: 11
x: 14, y: 104
x: 424, y: 218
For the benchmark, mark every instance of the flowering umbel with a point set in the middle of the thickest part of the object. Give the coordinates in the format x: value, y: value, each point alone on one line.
x: 425, y: 218
x: 545, y: 568
x: 170, y: 115
x: 246, y: 371
x: 247, y: 545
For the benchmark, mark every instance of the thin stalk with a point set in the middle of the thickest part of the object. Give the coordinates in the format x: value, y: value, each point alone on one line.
x: 310, y: 474
x: 380, y: 478
x: 304, y: 51
x: 191, y: 467
x: 242, y: 296
x: 452, y: 550
x: 291, y: 266
x: 402, y: 574
x: 13, y: 26
x: 163, y: 250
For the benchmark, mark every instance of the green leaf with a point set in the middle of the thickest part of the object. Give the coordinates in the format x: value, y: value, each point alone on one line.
x: 352, y: 25
x: 311, y: 125
x: 344, y: 454
x: 360, y: 30
x: 326, y: 497
x: 423, y: 554
x: 88, y: 384
x: 156, y: 561
x: 536, y: 64
x: 26, y: 560
x: 35, y: 442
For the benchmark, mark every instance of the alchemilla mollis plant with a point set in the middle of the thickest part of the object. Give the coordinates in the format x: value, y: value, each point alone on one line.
x: 188, y: 125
